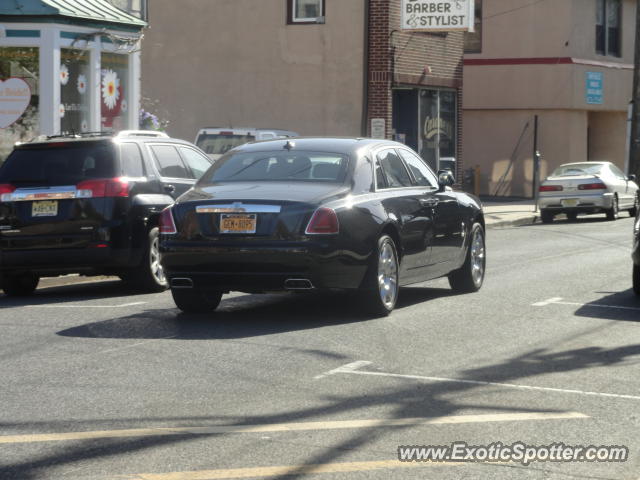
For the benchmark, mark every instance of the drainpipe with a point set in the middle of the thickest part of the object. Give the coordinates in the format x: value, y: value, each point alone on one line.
x: 365, y: 83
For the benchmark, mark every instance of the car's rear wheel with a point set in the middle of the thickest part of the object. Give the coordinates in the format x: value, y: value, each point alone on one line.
x: 20, y: 285
x: 546, y: 216
x: 470, y: 276
x: 381, y: 286
x: 612, y: 213
x: 149, y: 275
x: 196, y: 301
x: 633, y: 211
x: 636, y: 279
x: 572, y: 216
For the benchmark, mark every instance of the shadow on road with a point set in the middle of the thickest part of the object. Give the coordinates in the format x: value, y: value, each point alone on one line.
x: 623, y: 306
x: 246, y: 316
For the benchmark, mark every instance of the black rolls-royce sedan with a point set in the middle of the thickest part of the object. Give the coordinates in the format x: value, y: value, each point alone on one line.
x: 320, y: 213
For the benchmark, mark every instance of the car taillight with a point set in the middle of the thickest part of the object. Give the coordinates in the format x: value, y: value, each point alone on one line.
x: 105, y: 187
x: 5, y: 192
x: 323, y: 222
x: 550, y: 188
x: 166, y: 224
x: 592, y: 186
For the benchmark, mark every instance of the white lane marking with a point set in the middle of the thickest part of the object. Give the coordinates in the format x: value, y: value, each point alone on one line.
x: 558, y: 301
x: 87, y: 306
x: 290, y: 427
x: 544, y: 303
x: 479, y: 382
x: 349, y: 367
x: 109, y: 350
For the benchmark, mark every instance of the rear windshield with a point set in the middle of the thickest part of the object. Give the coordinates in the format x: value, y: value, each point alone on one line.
x: 577, y: 169
x: 66, y: 164
x: 297, y: 166
x: 218, y: 144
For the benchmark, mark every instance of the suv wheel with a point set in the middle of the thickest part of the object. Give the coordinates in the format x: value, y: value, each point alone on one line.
x: 149, y: 275
x: 636, y: 279
x: 195, y: 301
x: 20, y: 285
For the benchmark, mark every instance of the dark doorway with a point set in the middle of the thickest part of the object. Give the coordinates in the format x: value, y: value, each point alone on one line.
x: 405, y: 116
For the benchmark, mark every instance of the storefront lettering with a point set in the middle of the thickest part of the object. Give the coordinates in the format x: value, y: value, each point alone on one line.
x: 15, y: 96
x: 435, y: 126
x: 437, y: 14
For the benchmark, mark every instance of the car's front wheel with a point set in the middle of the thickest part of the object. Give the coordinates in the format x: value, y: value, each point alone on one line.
x: 546, y: 216
x: 20, y: 285
x: 196, y: 301
x: 612, y: 213
x: 470, y: 276
x: 381, y: 286
x: 633, y: 211
x: 636, y: 279
x: 149, y: 275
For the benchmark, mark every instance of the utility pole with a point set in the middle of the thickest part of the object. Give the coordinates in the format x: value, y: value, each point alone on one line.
x: 634, y: 147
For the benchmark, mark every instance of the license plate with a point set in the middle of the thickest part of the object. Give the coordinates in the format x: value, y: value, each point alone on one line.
x: 44, y: 209
x: 569, y: 202
x: 238, y: 223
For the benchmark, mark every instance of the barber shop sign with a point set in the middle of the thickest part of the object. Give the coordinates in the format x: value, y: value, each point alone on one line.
x: 437, y: 15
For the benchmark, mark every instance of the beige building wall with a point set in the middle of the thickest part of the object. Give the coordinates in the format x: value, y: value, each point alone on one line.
x: 534, y: 60
x: 199, y: 58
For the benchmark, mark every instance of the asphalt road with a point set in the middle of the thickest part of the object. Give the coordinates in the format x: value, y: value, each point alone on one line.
x: 101, y: 384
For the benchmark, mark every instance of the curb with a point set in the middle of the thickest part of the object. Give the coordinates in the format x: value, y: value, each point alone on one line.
x: 516, y: 222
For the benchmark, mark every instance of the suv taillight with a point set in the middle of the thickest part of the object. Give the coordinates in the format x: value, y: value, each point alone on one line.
x: 5, y: 192
x: 105, y: 187
x: 323, y: 222
x: 166, y: 224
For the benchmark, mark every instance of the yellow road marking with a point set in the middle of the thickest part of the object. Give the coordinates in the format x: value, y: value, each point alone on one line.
x: 288, y: 427
x: 261, y: 472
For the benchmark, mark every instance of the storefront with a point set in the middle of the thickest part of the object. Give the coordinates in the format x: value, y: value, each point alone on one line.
x: 67, y: 67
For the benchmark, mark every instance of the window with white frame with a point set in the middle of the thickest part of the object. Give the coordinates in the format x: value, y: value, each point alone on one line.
x: 608, y: 23
x: 305, y: 11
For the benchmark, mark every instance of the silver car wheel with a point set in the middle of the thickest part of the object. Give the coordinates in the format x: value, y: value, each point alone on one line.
x: 388, y: 275
x: 477, y: 257
x: 154, y: 262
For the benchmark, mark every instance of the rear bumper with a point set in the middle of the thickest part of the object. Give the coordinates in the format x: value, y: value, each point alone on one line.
x: 263, y: 268
x: 588, y: 203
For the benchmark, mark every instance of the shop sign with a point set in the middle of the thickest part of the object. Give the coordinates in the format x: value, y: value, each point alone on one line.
x: 378, y: 128
x: 437, y: 15
x: 594, y: 88
x: 15, y: 96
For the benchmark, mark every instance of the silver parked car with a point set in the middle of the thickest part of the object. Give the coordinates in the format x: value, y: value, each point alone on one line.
x: 588, y: 187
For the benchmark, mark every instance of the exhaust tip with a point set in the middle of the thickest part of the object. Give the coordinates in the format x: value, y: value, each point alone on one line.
x: 298, y: 284
x: 181, y: 283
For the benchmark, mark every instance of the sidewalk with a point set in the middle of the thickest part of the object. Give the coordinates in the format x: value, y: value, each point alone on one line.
x: 508, y: 212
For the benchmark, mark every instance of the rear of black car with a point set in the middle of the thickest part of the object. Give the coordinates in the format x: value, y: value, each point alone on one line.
x: 63, y: 208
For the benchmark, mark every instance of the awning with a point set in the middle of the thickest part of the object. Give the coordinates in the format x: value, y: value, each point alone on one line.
x: 82, y: 11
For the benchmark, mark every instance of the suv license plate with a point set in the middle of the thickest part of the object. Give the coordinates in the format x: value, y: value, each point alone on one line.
x: 44, y: 209
x: 238, y: 223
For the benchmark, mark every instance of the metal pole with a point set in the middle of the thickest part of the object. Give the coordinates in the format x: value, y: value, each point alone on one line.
x: 634, y: 147
x: 536, y: 162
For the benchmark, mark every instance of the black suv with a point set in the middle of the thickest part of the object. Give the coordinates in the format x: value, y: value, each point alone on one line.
x: 89, y: 204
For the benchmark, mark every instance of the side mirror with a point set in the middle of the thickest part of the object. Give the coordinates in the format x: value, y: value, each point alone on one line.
x: 631, y: 178
x: 445, y: 179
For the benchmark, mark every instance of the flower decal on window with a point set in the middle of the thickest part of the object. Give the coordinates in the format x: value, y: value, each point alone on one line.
x: 110, y: 89
x: 62, y: 110
x: 124, y: 105
x: 64, y: 74
x: 82, y: 84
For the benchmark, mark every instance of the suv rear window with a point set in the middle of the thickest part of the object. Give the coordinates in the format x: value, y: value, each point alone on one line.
x: 59, y: 164
x: 218, y: 144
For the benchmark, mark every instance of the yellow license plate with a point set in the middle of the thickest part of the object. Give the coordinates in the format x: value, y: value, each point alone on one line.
x: 237, y: 223
x: 44, y: 209
x: 569, y: 202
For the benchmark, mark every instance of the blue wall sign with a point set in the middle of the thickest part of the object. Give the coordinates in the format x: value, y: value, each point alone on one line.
x: 593, y: 91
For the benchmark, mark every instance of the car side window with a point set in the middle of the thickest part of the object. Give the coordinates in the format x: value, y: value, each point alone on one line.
x: 131, y: 159
x: 422, y: 174
x: 394, y: 170
x: 169, y: 162
x: 195, y: 161
x: 617, y: 172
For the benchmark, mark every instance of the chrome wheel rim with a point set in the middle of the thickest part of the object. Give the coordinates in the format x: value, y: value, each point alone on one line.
x: 615, y: 206
x: 387, y: 275
x: 154, y: 259
x: 477, y: 257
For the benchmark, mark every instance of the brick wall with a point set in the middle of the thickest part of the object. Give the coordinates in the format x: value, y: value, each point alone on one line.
x: 398, y: 58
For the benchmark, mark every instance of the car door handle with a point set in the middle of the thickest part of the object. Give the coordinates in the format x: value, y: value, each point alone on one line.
x: 169, y: 188
x: 428, y: 202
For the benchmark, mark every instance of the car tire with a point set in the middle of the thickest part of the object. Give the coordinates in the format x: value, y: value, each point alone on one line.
x: 469, y: 277
x: 636, y: 279
x: 381, y: 284
x: 149, y: 275
x: 572, y: 216
x: 612, y: 213
x: 20, y: 285
x: 196, y: 301
x: 546, y: 216
x: 633, y: 211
